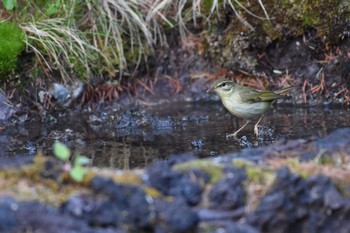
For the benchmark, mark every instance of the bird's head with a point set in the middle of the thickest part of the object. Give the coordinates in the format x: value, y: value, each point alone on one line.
x: 222, y: 87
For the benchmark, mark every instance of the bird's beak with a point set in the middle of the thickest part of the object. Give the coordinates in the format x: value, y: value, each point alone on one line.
x: 212, y: 89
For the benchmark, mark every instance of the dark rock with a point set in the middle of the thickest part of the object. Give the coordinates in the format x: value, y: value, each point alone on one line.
x: 338, y: 140
x: 125, y: 205
x: 8, y: 219
x: 173, y: 183
x: 162, y: 177
x: 228, y: 193
x: 105, y: 214
x: 197, y: 144
x: 79, y: 205
x: 267, y: 134
x: 63, y: 94
x: 14, y: 161
x: 195, y: 119
x: 239, y: 228
x: 6, y: 110
x: 176, y: 217
x: 113, y: 206
x: 307, y: 156
x: 161, y: 123
x: 297, y: 205
x: 36, y: 217
x: 121, y: 204
x: 189, y: 190
x: 244, y: 142
x: 135, y: 122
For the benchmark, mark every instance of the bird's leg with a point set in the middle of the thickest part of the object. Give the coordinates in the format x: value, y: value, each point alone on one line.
x: 256, y: 129
x: 235, y: 133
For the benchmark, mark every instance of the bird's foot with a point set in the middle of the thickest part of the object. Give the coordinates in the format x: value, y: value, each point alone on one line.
x: 256, y: 130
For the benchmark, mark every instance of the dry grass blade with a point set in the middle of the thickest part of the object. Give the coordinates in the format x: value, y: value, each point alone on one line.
x: 114, y: 21
x: 60, y: 44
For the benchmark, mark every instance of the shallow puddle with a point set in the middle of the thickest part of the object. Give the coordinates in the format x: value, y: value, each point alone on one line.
x: 199, y: 129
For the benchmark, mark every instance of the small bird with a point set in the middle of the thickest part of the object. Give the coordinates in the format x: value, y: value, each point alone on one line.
x: 245, y: 102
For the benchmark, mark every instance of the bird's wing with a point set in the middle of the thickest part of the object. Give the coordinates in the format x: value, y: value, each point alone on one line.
x: 255, y: 95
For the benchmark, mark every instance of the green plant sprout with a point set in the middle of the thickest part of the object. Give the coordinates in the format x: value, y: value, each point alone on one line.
x: 77, y: 170
x: 9, y: 4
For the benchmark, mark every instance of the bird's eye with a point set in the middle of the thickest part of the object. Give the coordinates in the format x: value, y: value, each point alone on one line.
x: 223, y: 84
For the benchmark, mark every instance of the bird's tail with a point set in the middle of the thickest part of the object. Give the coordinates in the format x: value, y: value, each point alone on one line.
x: 284, y: 90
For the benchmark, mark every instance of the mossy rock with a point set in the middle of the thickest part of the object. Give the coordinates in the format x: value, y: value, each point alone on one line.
x: 11, y: 45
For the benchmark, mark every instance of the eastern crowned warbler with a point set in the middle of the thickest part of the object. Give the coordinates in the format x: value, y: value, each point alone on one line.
x: 245, y: 102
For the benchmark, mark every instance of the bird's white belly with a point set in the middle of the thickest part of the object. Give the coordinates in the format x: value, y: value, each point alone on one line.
x: 246, y: 110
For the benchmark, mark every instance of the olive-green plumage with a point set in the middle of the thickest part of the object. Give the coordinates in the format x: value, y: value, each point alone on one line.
x: 245, y: 102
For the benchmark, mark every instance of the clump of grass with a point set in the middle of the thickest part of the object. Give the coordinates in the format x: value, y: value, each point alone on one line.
x: 184, y: 12
x: 60, y: 47
x: 11, y: 45
x: 118, y: 29
x: 99, y: 37
x: 93, y: 37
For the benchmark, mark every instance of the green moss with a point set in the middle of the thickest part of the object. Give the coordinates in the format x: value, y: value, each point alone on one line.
x: 11, y: 45
x: 294, y: 17
x: 214, y: 170
x: 258, y: 183
x: 255, y: 173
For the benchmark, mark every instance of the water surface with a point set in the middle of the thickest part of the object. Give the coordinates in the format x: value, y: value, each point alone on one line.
x: 199, y: 129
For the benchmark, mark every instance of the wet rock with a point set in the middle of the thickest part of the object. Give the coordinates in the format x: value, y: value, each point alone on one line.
x: 238, y: 228
x: 6, y: 110
x: 338, y: 140
x: 228, y: 193
x: 141, y: 123
x: 197, y: 144
x: 305, y: 149
x: 267, y: 134
x: 79, y: 205
x: 298, y: 205
x: 244, y: 142
x: 128, y: 206
x: 14, y: 161
x: 176, y: 217
x: 161, y: 176
x: 61, y: 93
x: 132, y: 119
x: 161, y: 123
x: 121, y: 204
x: 21, y: 216
x: 64, y: 94
x: 195, y: 119
x: 173, y: 183
x: 307, y: 156
x: 210, y: 215
x: 8, y: 219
